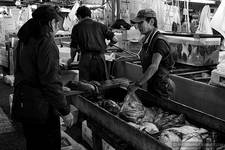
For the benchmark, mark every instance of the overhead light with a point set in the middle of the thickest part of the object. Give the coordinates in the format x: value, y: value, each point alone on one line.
x: 201, y: 1
x: 34, y: 6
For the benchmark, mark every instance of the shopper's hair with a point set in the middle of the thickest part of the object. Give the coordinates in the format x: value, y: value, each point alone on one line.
x: 41, y: 18
x: 46, y: 13
x: 83, y: 12
x: 155, y: 21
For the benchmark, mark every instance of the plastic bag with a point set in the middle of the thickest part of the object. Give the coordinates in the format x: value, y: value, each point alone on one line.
x: 71, y: 19
x: 132, y: 109
x: 204, y: 23
x: 218, y: 20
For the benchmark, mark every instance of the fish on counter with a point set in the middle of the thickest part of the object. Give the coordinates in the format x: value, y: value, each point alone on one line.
x: 110, y: 106
x: 149, y: 128
x: 170, y: 129
x: 191, y: 141
x: 171, y: 139
x: 162, y: 119
x: 172, y: 120
x: 190, y: 136
x: 150, y: 114
x: 188, y: 129
x: 134, y: 125
x: 83, y: 86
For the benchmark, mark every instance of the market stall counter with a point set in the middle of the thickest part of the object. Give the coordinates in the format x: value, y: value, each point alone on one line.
x: 198, y: 95
x: 105, y: 122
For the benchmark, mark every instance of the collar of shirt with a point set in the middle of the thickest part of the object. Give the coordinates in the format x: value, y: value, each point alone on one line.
x: 149, y: 35
x: 84, y: 19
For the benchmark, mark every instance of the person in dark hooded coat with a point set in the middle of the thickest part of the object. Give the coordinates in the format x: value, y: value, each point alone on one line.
x: 38, y: 96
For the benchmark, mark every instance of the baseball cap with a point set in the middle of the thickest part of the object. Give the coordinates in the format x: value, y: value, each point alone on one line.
x: 143, y: 14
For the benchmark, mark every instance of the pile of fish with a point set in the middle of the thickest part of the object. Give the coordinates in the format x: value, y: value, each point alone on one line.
x: 171, y: 129
x: 110, y: 106
x: 91, y: 88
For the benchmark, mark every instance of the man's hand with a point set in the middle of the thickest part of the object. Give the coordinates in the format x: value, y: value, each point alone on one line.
x: 132, y: 87
x: 69, y: 61
x: 114, y: 40
x: 68, y: 120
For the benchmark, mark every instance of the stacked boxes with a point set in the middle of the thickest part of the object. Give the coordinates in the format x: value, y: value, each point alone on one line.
x: 3, y: 56
x: 68, y: 143
x: 2, y: 31
x: 217, y: 78
x: 87, y: 134
x: 106, y: 146
x: 87, y: 137
x: 6, y: 57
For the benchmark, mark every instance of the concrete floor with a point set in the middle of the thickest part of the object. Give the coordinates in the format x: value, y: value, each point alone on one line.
x: 14, y: 140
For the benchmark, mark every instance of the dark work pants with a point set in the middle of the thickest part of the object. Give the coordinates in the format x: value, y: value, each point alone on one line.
x: 92, y: 66
x: 43, y: 136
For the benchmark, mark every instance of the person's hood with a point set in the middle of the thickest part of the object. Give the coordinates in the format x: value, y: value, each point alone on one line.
x: 25, y: 31
x: 32, y: 29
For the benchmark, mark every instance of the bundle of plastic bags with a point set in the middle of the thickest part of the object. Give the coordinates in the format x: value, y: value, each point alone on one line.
x: 71, y: 19
x: 132, y: 109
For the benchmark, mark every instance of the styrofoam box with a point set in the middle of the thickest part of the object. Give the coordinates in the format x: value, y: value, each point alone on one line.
x: 87, y: 134
x: 10, y: 103
x: 64, y: 52
x: 74, y: 144
x: 217, y: 78
x: 87, y: 137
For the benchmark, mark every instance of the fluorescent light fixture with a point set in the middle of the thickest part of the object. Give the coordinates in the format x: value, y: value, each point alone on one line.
x: 201, y: 1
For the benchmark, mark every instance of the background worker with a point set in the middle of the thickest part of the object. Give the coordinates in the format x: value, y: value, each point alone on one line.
x: 156, y: 58
x: 88, y: 37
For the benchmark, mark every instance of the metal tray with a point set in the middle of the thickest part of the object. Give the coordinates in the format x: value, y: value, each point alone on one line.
x: 138, y: 139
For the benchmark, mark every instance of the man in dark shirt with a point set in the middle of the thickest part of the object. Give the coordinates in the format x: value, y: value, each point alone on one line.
x: 88, y: 37
x: 156, y: 58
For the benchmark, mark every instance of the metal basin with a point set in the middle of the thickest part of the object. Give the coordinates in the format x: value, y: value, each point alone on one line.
x: 138, y: 139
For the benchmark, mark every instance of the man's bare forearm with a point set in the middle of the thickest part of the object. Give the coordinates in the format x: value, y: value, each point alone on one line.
x: 73, y: 52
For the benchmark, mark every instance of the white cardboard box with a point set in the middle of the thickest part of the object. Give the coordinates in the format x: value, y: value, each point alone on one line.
x: 87, y: 137
x: 73, y: 143
x: 87, y: 134
x: 106, y: 146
